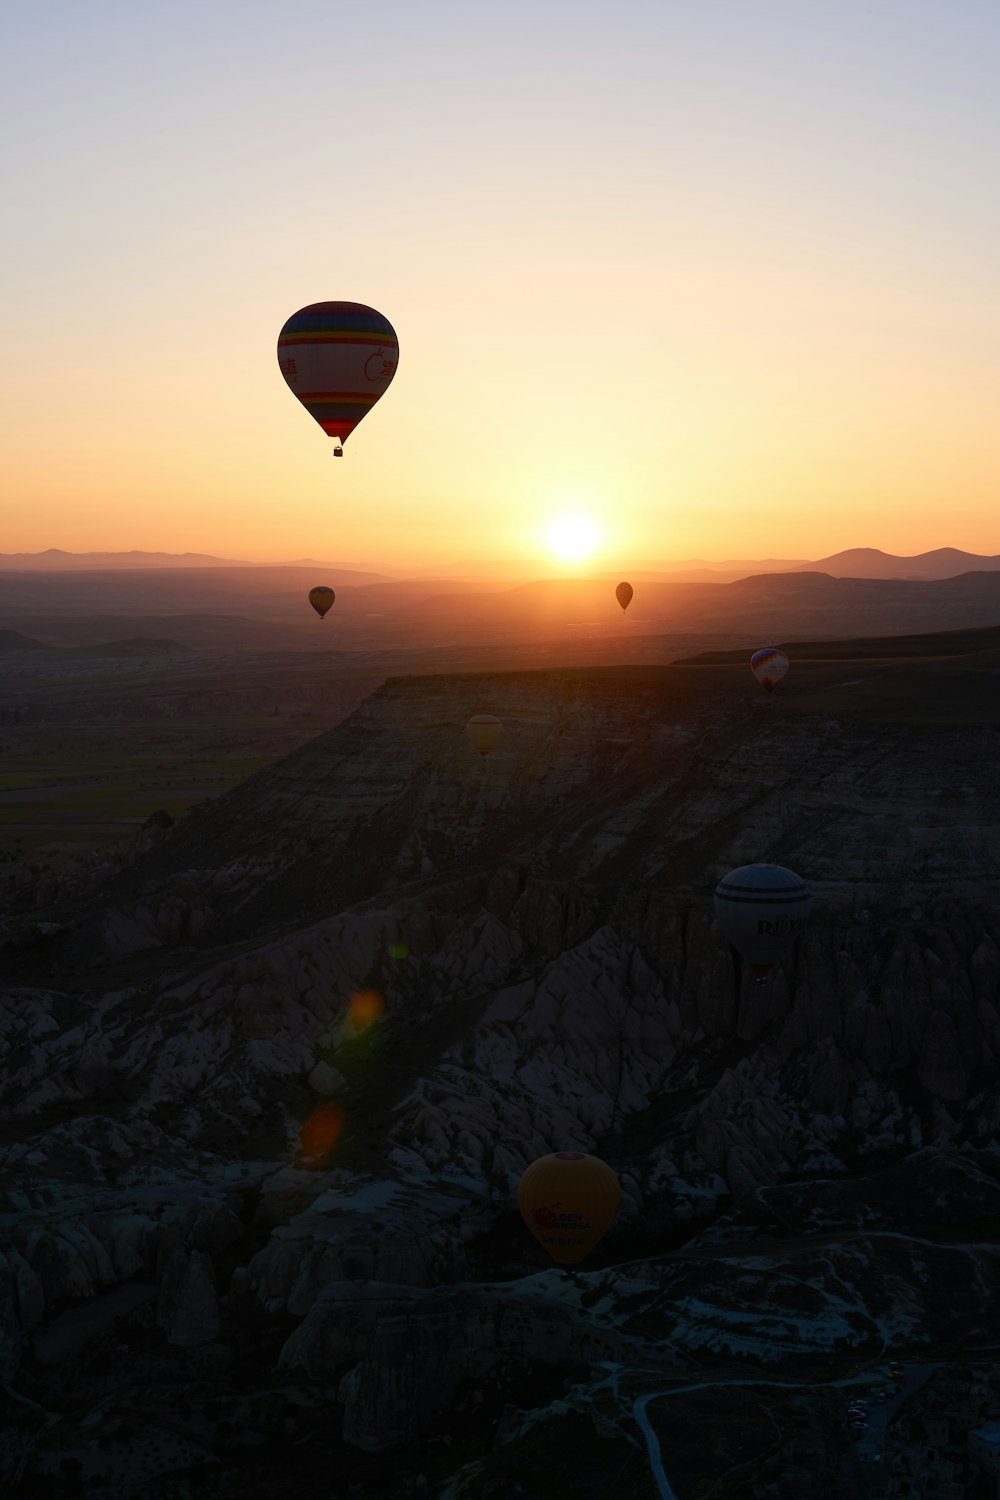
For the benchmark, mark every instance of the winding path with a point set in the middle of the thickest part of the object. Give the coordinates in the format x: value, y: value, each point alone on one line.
x: 915, y: 1378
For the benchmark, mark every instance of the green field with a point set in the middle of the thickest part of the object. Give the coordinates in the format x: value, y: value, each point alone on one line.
x: 97, y: 797
x: 88, y: 753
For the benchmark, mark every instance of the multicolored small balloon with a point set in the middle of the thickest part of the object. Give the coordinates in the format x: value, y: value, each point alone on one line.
x: 338, y: 358
x: 769, y: 666
x: 321, y: 598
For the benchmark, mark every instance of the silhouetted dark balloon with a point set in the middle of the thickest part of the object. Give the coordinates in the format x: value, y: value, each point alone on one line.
x: 321, y: 598
x: 623, y: 593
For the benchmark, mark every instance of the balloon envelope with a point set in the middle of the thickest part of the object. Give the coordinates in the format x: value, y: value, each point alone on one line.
x: 321, y: 598
x: 623, y: 593
x: 769, y: 666
x: 483, y: 732
x: 762, y: 909
x: 568, y: 1200
x: 338, y: 358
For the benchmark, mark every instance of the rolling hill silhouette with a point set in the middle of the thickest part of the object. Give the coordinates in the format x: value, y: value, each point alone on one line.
x: 870, y: 562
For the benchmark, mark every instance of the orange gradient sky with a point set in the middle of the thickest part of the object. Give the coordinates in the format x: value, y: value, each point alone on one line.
x: 722, y: 276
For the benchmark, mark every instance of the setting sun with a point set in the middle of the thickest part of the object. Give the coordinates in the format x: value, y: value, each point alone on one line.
x: 572, y: 538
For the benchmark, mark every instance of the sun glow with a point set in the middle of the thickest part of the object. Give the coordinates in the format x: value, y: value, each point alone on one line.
x: 572, y: 538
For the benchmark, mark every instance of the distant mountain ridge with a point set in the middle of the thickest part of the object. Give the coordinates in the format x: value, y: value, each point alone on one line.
x: 13, y: 640
x: 870, y: 562
x: 54, y: 559
x: 266, y: 609
x: 853, y: 562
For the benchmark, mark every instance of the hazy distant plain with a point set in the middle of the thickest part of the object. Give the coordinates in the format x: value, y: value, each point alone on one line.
x: 127, y: 691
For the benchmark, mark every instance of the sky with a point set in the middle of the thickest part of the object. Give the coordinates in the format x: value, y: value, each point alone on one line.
x: 719, y: 276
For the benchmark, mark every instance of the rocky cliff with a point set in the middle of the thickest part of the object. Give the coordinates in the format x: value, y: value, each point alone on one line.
x: 193, y: 1093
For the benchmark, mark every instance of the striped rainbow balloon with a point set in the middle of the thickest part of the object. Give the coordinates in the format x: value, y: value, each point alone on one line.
x: 338, y: 358
x: 769, y: 666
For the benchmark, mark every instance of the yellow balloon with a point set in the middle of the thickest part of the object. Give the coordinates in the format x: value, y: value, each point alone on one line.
x: 483, y: 732
x: 569, y: 1201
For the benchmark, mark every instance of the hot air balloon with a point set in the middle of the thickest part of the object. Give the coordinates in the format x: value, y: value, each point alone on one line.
x: 338, y: 359
x: 769, y: 666
x: 623, y: 593
x: 321, y: 598
x: 762, y: 909
x: 568, y: 1201
x: 483, y: 732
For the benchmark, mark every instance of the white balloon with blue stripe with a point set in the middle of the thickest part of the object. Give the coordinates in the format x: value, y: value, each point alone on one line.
x: 762, y: 909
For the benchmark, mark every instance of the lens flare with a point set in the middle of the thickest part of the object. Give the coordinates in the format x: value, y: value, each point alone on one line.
x: 320, y: 1132
x: 366, y: 1006
x: 398, y: 949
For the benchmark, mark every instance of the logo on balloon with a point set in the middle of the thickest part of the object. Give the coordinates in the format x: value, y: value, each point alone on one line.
x: 545, y: 1218
x: 779, y: 927
x: 377, y: 367
x: 552, y: 1218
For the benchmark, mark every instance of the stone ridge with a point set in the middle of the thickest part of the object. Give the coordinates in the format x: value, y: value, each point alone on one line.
x: 541, y: 931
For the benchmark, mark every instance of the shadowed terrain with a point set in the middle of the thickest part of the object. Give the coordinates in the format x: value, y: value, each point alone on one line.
x: 321, y: 1197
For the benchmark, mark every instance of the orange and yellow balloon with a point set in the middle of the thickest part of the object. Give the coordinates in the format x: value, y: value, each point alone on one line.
x: 569, y: 1201
x: 483, y: 732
